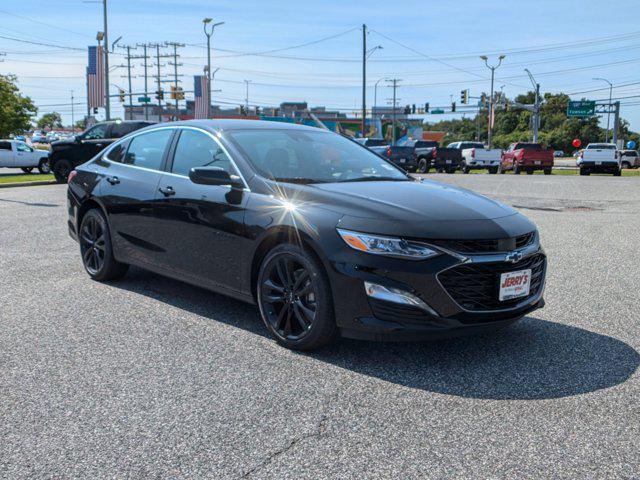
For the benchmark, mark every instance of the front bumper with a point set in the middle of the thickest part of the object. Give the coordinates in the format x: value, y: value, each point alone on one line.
x: 361, y: 316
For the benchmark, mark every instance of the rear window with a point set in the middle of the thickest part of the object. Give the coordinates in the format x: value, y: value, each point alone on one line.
x: 121, y: 129
x: 601, y: 146
x: 5, y: 145
x: 375, y: 142
x: 426, y: 144
x: 478, y: 145
x: 529, y: 146
x: 632, y: 153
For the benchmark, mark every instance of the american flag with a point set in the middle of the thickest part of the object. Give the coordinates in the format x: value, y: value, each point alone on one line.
x: 95, y: 77
x: 201, y: 93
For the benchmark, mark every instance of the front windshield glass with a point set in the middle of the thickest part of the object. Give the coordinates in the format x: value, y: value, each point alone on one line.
x: 306, y: 156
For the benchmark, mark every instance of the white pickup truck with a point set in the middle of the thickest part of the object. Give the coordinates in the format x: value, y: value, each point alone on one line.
x: 600, y: 158
x: 17, y: 154
x: 475, y: 156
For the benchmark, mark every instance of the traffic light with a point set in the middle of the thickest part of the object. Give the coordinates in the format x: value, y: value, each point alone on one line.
x: 243, y: 112
x: 159, y: 95
x: 180, y: 93
x: 483, y: 99
x: 257, y: 110
x: 464, y: 96
x: 173, y: 92
x: 426, y: 107
x: 413, y: 108
x: 121, y: 94
x: 407, y: 110
x: 453, y: 106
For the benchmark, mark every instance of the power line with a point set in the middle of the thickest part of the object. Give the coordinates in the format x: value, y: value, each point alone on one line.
x: 44, y: 23
x: 42, y: 44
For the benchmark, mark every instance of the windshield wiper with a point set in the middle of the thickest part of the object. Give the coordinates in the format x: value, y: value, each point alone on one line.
x: 375, y: 179
x: 300, y: 180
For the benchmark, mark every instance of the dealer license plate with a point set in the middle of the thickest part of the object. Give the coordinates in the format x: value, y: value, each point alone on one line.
x: 598, y: 163
x: 538, y: 162
x: 448, y: 162
x: 403, y: 160
x: 515, y: 284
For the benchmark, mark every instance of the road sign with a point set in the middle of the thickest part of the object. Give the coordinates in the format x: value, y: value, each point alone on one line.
x: 584, y: 108
x: 437, y: 110
x: 144, y: 99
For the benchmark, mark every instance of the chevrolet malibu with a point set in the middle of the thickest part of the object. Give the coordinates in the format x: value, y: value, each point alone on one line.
x: 326, y: 237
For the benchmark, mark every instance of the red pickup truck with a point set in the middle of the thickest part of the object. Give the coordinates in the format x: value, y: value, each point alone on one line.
x: 527, y: 157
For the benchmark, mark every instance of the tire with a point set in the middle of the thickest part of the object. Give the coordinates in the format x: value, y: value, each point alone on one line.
x: 617, y: 173
x: 626, y: 165
x: 451, y: 170
x: 27, y: 169
x: 295, y: 320
x: 61, y: 170
x: 529, y: 171
x: 465, y: 169
x: 516, y: 170
x: 501, y: 170
x: 43, y: 166
x: 96, y: 250
x: 423, y: 165
x: 493, y: 171
x: 547, y: 171
x: 584, y: 172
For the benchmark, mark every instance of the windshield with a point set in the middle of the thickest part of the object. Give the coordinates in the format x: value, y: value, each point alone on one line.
x: 305, y: 156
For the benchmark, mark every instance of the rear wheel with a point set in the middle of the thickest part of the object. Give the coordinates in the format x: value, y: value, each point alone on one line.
x: 465, y: 168
x: 584, y: 172
x: 617, y: 173
x: 516, y: 170
x: 61, y: 170
x: 43, y: 166
x: 529, y: 172
x: 500, y: 169
x: 493, y: 170
x: 96, y: 250
x: 294, y: 297
x: 547, y: 171
x: 423, y: 166
x: 27, y: 169
x: 626, y: 165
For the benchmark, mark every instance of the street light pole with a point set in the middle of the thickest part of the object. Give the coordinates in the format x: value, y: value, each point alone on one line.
x: 609, y: 106
x: 536, y: 106
x: 209, y: 33
x: 375, y: 95
x: 246, y: 98
x: 107, y: 106
x: 491, y: 102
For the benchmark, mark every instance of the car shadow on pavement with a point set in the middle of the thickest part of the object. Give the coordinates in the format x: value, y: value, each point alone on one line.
x: 532, y: 359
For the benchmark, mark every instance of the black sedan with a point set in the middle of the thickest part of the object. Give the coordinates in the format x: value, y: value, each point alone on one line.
x: 327, y: 238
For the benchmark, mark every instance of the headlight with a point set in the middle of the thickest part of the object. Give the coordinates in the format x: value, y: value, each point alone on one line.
x: 388, y: 246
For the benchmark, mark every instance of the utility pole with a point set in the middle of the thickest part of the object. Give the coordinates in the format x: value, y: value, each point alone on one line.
x: 73, y: 119
x: 364, y: 80
x: 146, y: 77
x: 107, y: 106
x: 616, y: 120
x: 175, y: 72
x: 129, y: 77
x: 159, y: 78
x: 609, y: 109
x: 246, y: 98
x: 536, y: 106
x: 491, y: 99
x: 394, y: 82
x: 209, y: 33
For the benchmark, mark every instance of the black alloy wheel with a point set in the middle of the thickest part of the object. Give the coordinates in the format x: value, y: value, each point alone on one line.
x: 295, y: 300
x: 61, y: 170
x: 95, y: 248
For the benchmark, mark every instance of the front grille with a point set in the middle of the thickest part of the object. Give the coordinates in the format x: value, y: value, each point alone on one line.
x: 475, y: 286
x: 395, y: 312
x: 485, y: 246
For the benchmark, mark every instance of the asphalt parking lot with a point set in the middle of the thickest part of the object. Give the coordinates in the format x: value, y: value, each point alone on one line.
x: 148, y: 377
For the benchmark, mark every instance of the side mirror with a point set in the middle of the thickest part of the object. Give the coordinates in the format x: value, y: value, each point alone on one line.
x: 214, y: 176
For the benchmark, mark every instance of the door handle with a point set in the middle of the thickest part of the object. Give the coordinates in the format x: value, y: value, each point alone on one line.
x: 99, y: 145
x: 113, y: 180
x: 167, y: 191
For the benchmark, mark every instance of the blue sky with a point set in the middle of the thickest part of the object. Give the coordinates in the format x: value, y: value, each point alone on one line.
x: 433, y: 47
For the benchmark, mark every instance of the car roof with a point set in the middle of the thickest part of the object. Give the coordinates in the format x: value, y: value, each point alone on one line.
x: 221, y: 125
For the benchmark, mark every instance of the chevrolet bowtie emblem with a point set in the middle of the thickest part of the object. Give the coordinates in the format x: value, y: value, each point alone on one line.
x: 514, y: 257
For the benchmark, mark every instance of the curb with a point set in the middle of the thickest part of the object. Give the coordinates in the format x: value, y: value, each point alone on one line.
x: 28, y: 184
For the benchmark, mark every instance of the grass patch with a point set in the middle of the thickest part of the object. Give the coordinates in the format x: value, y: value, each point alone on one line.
x: 27, y: 177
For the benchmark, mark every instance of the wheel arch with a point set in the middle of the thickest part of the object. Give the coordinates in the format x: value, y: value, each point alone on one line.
x: 89, y: 204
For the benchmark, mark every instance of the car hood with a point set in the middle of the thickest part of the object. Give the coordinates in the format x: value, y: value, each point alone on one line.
x: 421, y: 209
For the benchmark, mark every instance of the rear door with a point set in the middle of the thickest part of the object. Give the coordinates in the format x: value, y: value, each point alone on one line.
x: 6, y: 154
x: 202, y: 225
x: 131, y: 172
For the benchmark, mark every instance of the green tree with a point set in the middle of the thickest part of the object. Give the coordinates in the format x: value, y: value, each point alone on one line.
x: 15, y: 110
x: 81, y: 124
x: 50, y: 120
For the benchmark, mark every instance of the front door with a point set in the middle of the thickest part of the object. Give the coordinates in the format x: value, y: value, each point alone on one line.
x: 130, y: 181
x: 202, y: 225
x: 94, y: 141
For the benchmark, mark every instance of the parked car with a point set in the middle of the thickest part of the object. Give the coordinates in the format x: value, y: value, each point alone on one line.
x: 425, y: 151
x: 327, y: 238
x: 629, y: 159
x: 52, y: 137
x: 600, y: 158
x: 17, y: 154
x: 38, y: 137
x: 476, y: 157
x: 372, y: 142
x: 20, y: 138
x: 528, y: 157
x: 67, y: 154
x: 403, y: 156
x: 446, y: 159
x: 558, y: 153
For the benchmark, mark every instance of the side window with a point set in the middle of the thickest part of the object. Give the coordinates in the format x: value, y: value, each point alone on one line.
x: 119, y: 130
x: 196, y: 149
x: 116, y: 153
x: 97, y: 132
x: 146, y: 150
x: 5, y: 146
x: 23, y: 147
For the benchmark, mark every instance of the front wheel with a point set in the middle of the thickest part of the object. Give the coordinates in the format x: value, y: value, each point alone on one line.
x: 626, y: 165
x: 96, y: 249
x: 294, y: 297
x: 43, y: 166
x: 27, y: 169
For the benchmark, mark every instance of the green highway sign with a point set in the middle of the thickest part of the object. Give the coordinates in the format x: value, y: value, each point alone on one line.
x: 437, y: 110
x: 144, y: 99
x: 583, y: 108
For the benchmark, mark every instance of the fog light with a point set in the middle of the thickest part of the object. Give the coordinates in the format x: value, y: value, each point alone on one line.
x: 396, y: 295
